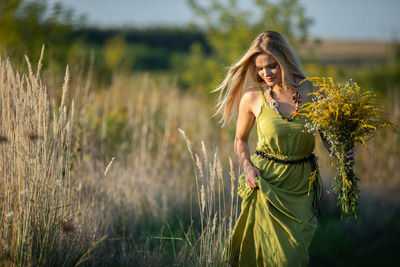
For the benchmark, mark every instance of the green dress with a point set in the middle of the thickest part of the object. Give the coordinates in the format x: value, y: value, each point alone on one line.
x: 277, y: 221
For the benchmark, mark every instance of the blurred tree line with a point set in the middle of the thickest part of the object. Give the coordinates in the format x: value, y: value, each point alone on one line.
x: 196, y: 54
x: 149, y: 49
x: 26, y: 25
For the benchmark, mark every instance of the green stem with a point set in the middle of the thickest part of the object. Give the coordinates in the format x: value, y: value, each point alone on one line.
x: 347, y: 187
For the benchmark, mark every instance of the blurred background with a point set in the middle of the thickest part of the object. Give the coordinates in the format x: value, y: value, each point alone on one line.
x: 130, y: 189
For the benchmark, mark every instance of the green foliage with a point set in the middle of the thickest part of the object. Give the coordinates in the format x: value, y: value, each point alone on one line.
x: 144, y: 57
x: 208, y: 71
x: 230, y: 30
x: 26, y: 25
x: 150, y: 48
x: 172, y: 39
x: 114, y: 51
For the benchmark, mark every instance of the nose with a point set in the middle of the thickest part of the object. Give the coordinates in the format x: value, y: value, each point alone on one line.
x: 264, y: 72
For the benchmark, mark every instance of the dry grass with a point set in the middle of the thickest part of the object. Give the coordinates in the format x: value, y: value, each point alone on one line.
x: 149, y: 185
x: 327, y: 48
x: 217, y: 209
x: 109, y: 181
x: 94, y: 179
x: 38, y: 203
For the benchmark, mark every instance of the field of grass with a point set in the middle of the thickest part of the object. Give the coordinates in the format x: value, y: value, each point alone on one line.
x: 344, y: 48
x: 102, y: 176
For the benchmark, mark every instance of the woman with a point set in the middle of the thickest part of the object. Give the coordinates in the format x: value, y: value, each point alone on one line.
x: 280, y: 205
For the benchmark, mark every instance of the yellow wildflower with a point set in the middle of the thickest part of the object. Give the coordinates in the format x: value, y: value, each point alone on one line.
x: 345, y: 114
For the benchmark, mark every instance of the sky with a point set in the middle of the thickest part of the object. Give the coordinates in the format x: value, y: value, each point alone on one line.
x: 333, y: 19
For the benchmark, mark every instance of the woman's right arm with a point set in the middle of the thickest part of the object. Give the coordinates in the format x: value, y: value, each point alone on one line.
x: 243, y: 127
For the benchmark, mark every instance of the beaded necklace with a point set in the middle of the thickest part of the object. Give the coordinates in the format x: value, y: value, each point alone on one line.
x: 274, y: 104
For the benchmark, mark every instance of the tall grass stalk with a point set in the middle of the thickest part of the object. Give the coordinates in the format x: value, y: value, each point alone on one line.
x: 216, y: 219
x: 38, y: 204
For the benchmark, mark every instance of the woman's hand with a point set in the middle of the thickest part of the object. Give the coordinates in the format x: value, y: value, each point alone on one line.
x: 251, y: 172
x: 350, y: 156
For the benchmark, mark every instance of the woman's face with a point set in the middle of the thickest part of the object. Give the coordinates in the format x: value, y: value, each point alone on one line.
x: 268, y: 69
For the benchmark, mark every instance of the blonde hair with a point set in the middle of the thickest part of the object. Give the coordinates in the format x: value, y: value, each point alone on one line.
x: 269, y: 42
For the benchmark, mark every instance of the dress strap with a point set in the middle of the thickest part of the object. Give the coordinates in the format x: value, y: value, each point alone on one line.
x: 261, y: 94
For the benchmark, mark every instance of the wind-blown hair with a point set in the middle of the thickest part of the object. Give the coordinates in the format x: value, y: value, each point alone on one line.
x: 269, y: 42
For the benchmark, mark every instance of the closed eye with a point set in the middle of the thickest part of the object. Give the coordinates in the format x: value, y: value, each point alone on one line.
x: 270, y: 66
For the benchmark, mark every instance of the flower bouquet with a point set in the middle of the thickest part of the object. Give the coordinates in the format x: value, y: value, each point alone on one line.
x: 345, y: 115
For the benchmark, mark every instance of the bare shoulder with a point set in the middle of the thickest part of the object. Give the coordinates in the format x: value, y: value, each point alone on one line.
x: 250, y: 101
x: 249, y: 104
x: 250, y: 96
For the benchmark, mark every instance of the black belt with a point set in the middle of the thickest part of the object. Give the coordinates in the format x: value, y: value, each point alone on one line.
x: 276, y: 160
x: 313, y: 159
